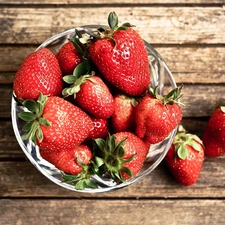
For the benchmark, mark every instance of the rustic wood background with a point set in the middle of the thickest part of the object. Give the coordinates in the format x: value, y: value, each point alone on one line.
x: 190, y: 35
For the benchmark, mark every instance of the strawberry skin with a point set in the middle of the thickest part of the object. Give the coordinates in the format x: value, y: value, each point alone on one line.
x: 69, y: 124
x: 95, y: 98
x: 133, y: 146
x: 214, y: 134
x: 55, y: 123
x: 39, y: 72
x: 68, y: 58
x: 122, y: 155
x: 100, y: 129
x: 125, y: 64
x: 68, y: 160
x: 124, y: 115
x: 185, y: 158
x: 155, y: 120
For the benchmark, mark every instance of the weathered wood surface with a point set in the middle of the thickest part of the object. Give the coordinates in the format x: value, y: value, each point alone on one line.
x: 164, y: 25
x: 189, y: 34
x: 112, y: 2
x: 189, y: 64
x: 22, y: 179
x: 111, y: 212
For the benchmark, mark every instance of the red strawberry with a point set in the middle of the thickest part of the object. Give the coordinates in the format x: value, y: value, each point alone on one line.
x: 68, y: 160
x: 100, y: 129
x: 92, y: 95
x: 54, y: 123
x: 121, y: 57
x: 214, y: 134
x: 40, y: 72
x: 124, y: 115
x: 156, y: 116
x: 122, y: 155
x: 185, y: 158
x: 68, y: 58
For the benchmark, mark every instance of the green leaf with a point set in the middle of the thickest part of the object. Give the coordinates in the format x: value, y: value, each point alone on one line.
x: 127, y: 171
x: 99, y: 161
x: 68, y: 177
x: 90, y: 183
x: 44, y: 122
x: 76, y: 43
x: 31, y: 105
x: 83, y: 68
x: 69, y: 79
x: 182, y: 152
x: 39, y: 134
x: 113, y: 20
x: 27, y: 116
x: 80, y: 185
x: 100, y: 143
x: 27, y: 127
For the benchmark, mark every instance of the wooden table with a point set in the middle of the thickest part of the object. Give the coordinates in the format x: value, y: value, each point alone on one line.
x: 190, y: 35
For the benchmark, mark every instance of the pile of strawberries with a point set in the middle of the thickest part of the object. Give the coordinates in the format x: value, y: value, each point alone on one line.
x: 90, y: 107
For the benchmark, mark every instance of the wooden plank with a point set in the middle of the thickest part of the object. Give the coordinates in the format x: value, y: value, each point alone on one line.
x: 117, y: 2
x: 22, y: 179
x: 202, y: 64
x: 111, y: 212
x: 166, y: 25
x: 112, y: 2
x: 200, y: 100
x: 10, y: 149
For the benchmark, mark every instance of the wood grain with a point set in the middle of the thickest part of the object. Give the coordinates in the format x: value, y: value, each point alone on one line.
x: 167, y: 25
x: 22, y: 179
x: 112, y: 2
x: 111, y: 212
x: 201, y: 64
x: 200, y: 100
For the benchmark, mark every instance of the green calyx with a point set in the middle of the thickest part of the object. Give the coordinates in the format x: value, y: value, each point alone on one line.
x: 182, y: 139
x: 110, y: 159
x: 171, y: 98
x: 34, y: 119
x: 83, y: 179
x: 113, y: 22
x: 76, y: 84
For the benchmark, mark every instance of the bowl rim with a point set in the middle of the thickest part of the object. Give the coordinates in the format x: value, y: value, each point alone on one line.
x: 69, y: 186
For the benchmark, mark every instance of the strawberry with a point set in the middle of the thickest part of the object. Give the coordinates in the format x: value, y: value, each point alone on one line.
x: 156, y: 115
x: 68, y: 58
x: 39, y: 72
x: 185, y: 158
x: 121, y: 155
x: 124, y: 115
x: 54, y: 123
x: 214, y: 134
x: 91, y: 94
x: 68, y: 160
x: 120, y: 55
x: 100, y: 129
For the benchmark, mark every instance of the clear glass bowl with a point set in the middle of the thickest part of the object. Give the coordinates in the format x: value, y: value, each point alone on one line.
x: 160, y: 75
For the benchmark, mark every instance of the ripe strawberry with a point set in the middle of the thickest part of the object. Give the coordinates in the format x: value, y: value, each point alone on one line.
x: 100, y: 129
x: 92, y: 95
x: 68, y: 58
x: 156, y: 116
x: 121, y: 57
x: 68, y: 160
x: 185, y: 158
x: 122, y: 155
x: 40, y: 72
x: 124, y: 115
x: 214, y: 134
x: 54, y: 123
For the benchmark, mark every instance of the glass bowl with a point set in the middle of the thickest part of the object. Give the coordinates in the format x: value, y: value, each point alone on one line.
x: 160, y: 76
